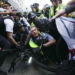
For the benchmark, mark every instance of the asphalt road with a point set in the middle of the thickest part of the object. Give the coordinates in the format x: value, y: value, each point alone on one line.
x: 23, y: 68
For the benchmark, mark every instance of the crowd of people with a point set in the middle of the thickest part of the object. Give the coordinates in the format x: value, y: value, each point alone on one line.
x: 50, y: 30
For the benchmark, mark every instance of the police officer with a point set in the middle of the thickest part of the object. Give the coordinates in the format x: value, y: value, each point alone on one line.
x: 33, y: 8
x: 68, y: 9
x: 60, y: 42
x: 36, y: 6
x: 6, y: 32
x: 19, y: 29
x: 55, y: 7
x: 37, y: 11
x: 6, y: 36
x: 46, y: 10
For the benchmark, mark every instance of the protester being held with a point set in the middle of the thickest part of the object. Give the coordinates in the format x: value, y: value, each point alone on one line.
x: 43, y: 41
x: 45, y: 10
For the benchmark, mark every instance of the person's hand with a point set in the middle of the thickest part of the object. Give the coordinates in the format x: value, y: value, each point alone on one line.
x: 53, y: 18
x: 18, y: 46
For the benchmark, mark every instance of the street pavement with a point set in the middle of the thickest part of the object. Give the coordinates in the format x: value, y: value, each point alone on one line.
x: 23, y: 68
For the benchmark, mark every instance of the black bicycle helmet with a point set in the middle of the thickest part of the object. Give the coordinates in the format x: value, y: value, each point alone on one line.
x: 35, y: 5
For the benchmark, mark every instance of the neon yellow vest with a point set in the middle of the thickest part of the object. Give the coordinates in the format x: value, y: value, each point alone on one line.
x: 41, y: 16
x: 60, y: 6
x: 34, y: 45
x: 32, y: 24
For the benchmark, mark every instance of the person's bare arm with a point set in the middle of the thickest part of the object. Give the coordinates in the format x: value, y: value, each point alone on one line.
x: 10, y: 37
x: 51, y: 42
x: 73, y: 14
x: 59, y: 13
x: 28, y: 39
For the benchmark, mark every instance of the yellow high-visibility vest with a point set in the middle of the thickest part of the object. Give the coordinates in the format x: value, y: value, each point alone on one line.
x: 51, y: 11
x: 34, y: 45
x: 60, y: 6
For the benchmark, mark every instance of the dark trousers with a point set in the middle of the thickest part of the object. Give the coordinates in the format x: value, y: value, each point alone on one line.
x: 48, y: 53
x: 66, y: 68
x: 4, y: 43
x: 61, y: 50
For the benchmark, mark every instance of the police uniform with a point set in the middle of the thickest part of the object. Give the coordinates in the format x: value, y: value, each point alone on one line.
x: 38, y: 12
x: 53, y: 9
x: 60, y: 44
x: 6, y: 25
